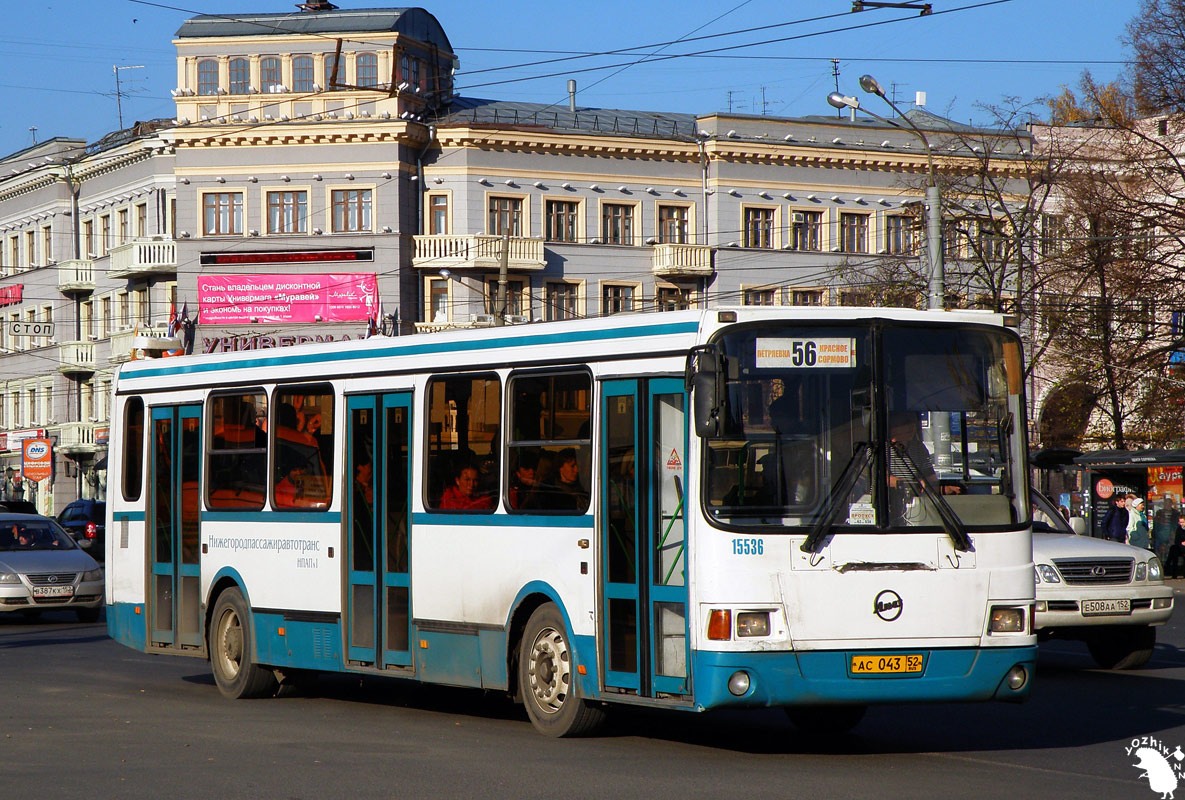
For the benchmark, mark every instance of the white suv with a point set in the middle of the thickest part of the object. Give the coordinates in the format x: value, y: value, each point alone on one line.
x: 1107, y: 594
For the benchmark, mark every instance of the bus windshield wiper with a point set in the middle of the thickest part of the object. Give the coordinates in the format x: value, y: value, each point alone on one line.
x: 950, y: 520
x: 842, y: 489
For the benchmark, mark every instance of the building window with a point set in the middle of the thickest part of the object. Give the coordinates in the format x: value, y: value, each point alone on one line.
x: 759, y: 228
x: 142, y: 219
x: 302, y: 74
x: 671, y: 298
x: 806, y: 297
x: 351, y: 210
x: 806, y: 229
x: 561, y: 220
x: 404, y: 69
x: 617, y: 223
x: 853, y: 233
x: 1053, y: 234
x: 270, y: 75
x: 761, y: 297
x: 438, y: 305
x: 367, y: 66
x: 672, y: 225
x: 335, y: 72
x: 952, y: 239
x: 993, y: 242
x: 516, y: 296
x: 438, y: 214
x: 240, y: 76
x: 207, y: 76
x: 31, y: 248
x: 899, y: 235
x: 617, y: 299
x: 506, y: 216
x: 125, y: 231
x: 287, y: 212
x: 47, y: 243
x: 560, y: 301
x: 222, y: 214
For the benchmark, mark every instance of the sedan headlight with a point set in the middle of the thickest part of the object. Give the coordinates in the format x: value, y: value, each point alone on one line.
x: 93, y: 575
x: 1155, y: 570
x: 1046, y: 572
x: 9, y: 577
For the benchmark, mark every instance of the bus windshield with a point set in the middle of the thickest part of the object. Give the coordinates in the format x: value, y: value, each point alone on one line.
x: 868, y: 428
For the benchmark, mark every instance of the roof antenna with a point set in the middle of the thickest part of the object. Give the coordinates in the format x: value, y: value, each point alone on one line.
x: 316, y: 5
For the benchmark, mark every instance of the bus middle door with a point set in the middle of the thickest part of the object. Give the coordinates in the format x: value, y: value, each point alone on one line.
x: 643, y: 448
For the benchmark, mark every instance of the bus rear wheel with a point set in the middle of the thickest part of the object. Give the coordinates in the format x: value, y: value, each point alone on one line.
x: 545, y: 677
x: 230, y: 650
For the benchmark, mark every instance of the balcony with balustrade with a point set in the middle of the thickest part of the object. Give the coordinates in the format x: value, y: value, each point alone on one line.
x: 76, y: 357
x: 681, y: 261
x: 76, y: 275
x: 78, y: 438
x: 142, y: 257
x: 480, y: 252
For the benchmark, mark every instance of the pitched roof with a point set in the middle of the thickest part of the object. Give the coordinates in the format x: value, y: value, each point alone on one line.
x: 414, y: 22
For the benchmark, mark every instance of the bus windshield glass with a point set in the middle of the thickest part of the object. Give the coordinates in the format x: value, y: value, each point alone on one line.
x: 869, y: 428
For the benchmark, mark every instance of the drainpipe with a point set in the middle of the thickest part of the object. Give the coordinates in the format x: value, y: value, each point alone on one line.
x: 704, y: 166
x: 420, y: 207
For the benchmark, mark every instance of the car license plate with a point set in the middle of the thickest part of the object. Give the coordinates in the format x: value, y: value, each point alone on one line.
x: 1098, y: 608
x: 53, y: 591
x: 887, y: 665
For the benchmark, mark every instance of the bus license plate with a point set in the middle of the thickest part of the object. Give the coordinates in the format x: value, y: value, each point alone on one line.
x: 1098, y: 608
x: 887, y: 665
x: 53, y: 591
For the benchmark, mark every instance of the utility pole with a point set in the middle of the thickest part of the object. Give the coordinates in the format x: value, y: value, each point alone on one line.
x: 500, y: 301
x: 835, y: 74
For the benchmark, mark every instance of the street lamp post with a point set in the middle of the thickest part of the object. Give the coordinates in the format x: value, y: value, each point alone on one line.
x: 939, y: 429
x: 937, y: 281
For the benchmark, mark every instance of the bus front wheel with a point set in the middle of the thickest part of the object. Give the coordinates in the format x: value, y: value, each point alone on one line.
x: 549, y: 688
x: 230, y: 650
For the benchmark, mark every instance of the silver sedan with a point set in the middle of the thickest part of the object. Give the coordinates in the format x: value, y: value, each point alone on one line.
x: 42, y: 567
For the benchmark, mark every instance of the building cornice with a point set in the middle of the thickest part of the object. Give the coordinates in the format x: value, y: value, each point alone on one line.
x: 274, y: 134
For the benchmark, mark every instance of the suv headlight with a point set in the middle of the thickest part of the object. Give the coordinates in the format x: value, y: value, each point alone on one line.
x: 1155, y: 570
x: 93, y: 575
x: 1046, y: 572
x: 1142, y: 571
x: 9, y: 577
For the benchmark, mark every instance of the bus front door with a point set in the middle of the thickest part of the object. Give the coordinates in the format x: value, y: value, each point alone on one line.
x: 378, y: 527
x: 174, y: 528
x: 643, y: 537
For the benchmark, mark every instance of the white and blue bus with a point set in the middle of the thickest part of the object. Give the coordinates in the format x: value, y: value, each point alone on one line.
x: 809, y: 508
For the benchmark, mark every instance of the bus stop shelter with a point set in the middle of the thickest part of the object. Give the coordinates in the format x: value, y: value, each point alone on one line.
x: 1154, y: 475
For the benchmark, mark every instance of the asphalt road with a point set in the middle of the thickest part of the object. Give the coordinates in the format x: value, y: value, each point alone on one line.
x: 81, y: 716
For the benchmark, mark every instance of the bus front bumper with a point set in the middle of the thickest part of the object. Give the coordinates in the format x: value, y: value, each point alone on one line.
x: 826, y: 677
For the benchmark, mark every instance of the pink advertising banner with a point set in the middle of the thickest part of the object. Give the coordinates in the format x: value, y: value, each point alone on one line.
x: 242, y: 299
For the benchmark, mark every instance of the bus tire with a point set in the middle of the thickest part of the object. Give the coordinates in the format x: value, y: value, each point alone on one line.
x: 546, y: 680
x: 229, y: 642
x: 1122, y: 647
x: 825, y: 720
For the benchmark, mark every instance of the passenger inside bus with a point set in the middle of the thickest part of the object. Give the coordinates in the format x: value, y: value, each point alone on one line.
x: 564, y: 491
x: 463, y: 494
x: 524, y: 481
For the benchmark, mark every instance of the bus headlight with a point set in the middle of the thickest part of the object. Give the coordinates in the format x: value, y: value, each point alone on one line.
x: 738, y: 683
x: 1006, y: 620
x: 753, y: 623
x: 1046, y: 572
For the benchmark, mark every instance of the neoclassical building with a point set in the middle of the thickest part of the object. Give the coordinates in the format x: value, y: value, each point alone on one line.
x: 322, y: 175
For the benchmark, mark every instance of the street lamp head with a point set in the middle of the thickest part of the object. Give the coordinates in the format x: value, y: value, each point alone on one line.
x: 444, y: 273
x: 837, y: 100
x: 870, y: 85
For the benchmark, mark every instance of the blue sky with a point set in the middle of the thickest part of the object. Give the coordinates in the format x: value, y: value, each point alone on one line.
x: 57, y: 56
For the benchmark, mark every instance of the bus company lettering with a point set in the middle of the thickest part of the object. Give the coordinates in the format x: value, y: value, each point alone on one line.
x: 236, y: 344
x: 309, y: 548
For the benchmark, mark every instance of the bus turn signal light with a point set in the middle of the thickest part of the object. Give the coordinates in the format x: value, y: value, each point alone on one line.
x: 720, y: 624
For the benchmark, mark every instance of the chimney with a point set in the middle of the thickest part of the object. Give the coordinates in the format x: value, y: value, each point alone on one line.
x: 572, y: 96
x: 919, y: 99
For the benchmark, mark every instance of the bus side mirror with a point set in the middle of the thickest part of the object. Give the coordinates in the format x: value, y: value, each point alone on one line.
x: 704, y: 378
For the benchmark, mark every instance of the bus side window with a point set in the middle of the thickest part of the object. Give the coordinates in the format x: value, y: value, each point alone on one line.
x: 133, y: 448
x: 549, y: 460
x: 464, y: 422
x: 302, y: 440
x: 238, y: 451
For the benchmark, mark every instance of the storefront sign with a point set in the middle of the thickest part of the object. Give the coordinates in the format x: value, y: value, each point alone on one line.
x: 287, y: 257
x: 245, y: 299
x: 11, y: 295
x: 14, y: 438
x: 37, y: 459
x: 101, y: 435
x: 238, y: 344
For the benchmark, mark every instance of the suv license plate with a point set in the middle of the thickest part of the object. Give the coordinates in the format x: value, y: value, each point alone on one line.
x: 53, y: 591
x: 887, y: 665
x: 1098, y: 608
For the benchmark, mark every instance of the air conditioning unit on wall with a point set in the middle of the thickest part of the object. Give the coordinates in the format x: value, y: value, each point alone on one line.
x: 797, y: 217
